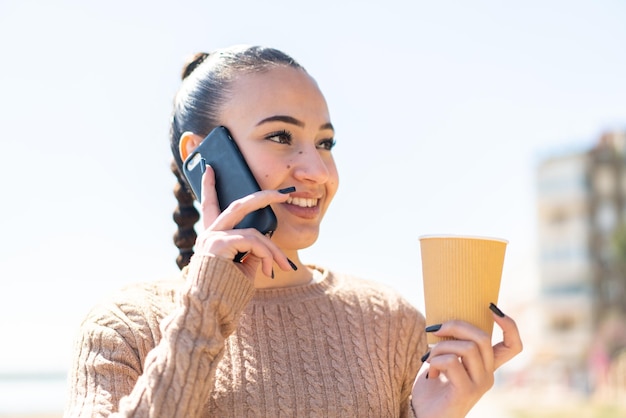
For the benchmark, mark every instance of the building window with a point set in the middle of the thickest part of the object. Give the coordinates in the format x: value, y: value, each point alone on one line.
x: 606, y: 217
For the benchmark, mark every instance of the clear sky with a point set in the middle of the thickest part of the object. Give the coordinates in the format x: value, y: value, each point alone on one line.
x: 442, y: 111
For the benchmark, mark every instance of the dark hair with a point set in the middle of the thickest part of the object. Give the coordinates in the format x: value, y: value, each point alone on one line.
x: 207, y: 79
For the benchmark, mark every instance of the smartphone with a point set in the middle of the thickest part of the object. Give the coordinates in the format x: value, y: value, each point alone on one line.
x: 233, y: 178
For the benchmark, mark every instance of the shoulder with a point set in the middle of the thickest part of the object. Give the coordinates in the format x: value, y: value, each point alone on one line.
x: 377, y: 295
x: 361, y: 287
x: 383, y: 310
x: 136, y: 308
x: 120, y: 330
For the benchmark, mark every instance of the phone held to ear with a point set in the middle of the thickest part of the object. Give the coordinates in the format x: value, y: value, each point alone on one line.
x: 233, y: 178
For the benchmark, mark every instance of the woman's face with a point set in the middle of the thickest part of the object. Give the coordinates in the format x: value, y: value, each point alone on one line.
x: 281, y: 123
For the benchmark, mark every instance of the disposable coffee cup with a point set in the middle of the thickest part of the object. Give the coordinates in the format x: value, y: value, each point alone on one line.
x: 461, y: 276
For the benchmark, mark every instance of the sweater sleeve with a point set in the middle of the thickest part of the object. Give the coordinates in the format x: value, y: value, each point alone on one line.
x: 107, y: 377
x: 415, y: 340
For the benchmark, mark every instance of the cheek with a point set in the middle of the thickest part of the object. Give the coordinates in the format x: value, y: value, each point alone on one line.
x: 334, y: 175
x: 332, y: 185
x: 273, y: 178
x: 269, y: 176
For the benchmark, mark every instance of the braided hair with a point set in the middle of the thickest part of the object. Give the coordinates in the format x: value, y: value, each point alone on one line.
x: 206, y: 84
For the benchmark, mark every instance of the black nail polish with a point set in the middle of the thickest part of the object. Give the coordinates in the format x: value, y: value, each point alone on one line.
x: 433, y: 328
x: 496, y: 310
x: 240, y: 257
x: 425, y: 356
x: 287, y: 190
x: 292, y: 264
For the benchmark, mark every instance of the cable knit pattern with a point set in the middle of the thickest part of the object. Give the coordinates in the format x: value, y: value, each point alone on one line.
x: 250, y: 368
x: 276, y: 339
x: 381, y: 339
x: 356, y: 332
x: 210, y: 345
x: 308, y: 358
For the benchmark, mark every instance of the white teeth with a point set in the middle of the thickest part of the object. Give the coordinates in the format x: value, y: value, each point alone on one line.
x: 302, y: 202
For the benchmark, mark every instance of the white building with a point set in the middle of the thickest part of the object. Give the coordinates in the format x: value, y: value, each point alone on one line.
x: 581, y: 205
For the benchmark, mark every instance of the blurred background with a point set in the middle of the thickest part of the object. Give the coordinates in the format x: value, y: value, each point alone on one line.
x: 504, y: 119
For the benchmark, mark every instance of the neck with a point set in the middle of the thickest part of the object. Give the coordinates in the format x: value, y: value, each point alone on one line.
x: 284, y: 278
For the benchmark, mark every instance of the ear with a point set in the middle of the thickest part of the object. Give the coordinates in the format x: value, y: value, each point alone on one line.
x: 188, y: 142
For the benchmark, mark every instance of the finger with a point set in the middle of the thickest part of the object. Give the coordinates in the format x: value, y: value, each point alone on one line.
x: 231, y: 242
x: 209, y: 205
x: 469, y: 355
x: 461, y: 330
x: 238, y: 209
x: 267, y: 252
x: 511, y: 344
x: 450, y: 366
x: 258, y: 250
x: 273, y: 255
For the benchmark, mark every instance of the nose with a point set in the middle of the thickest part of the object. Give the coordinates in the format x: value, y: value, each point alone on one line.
x: 311, y: 166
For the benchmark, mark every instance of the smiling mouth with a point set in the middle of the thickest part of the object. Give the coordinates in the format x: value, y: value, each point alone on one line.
x: 302, y: 202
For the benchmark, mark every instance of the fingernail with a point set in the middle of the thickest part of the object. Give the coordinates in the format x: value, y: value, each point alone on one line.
x: 293, y: 266
x: 496, y: 310
x: 240, y: 257
x: 287, y: 190
x: 433, y: 328
x: 425, y: 356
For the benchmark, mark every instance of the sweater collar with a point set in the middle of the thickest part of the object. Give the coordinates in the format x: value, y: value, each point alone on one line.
x: 315, y: 288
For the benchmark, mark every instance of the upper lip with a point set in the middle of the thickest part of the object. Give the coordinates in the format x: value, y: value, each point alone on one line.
x: 305, y: 195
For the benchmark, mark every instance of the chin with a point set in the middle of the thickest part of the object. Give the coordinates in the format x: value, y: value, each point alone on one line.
x: 295, y: 240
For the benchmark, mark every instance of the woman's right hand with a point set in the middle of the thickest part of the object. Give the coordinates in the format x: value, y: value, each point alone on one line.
x: 461, y: 370
x: 219, y: 237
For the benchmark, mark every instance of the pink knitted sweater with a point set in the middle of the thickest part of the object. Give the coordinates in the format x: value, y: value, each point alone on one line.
x: 212, y: 346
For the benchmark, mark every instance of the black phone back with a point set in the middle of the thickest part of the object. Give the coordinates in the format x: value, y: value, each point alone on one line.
x: 233, y: 178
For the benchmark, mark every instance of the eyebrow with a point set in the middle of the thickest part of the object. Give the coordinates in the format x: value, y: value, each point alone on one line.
x: 293, y: 121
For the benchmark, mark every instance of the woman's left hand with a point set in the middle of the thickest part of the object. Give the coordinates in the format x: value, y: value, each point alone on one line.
x: 461, y: 371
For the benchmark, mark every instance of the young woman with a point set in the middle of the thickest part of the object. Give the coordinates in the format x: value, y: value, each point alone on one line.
x: 269, y: 336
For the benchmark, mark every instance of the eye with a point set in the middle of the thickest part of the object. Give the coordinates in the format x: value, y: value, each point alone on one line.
x: 281, y: 137
x: 327, y: 144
